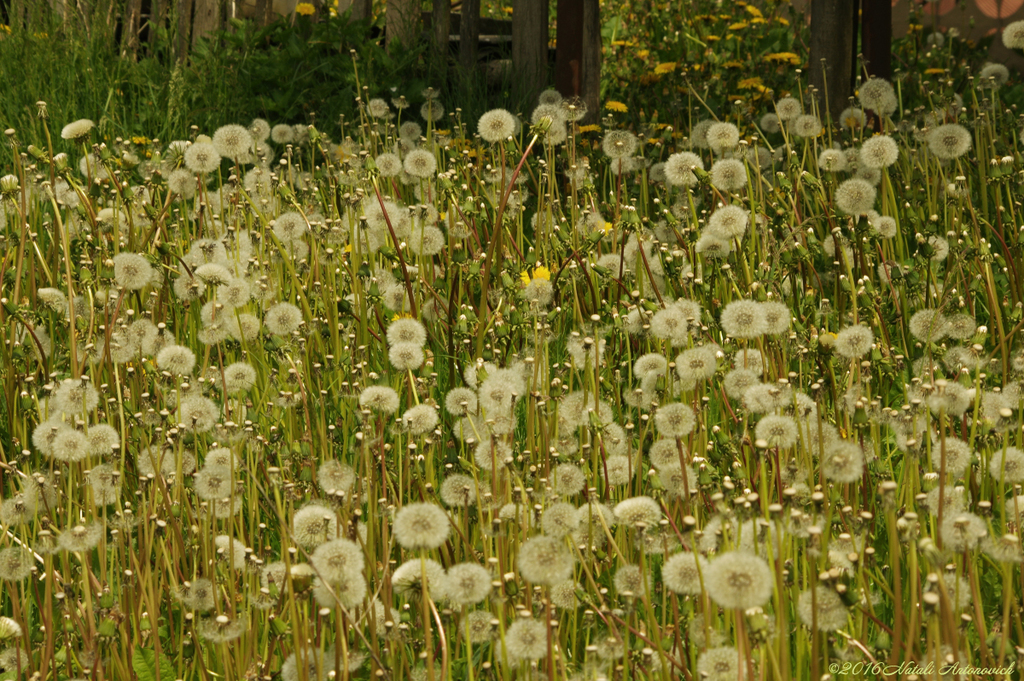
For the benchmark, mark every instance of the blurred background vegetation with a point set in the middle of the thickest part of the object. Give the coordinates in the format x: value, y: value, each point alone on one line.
x: 664, y: 64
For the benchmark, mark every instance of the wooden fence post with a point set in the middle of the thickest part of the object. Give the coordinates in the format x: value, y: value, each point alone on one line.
x: 184, y: 28
x: 876, y: 37
x: 832, y: 34
x: 441, y: 23
x: 530, y: 45
x: 469, y: 34
x: 590, y: 78
x: 207, y: 19
x: 402, y: 21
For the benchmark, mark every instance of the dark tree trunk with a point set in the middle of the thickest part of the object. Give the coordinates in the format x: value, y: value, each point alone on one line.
x: 469, y: 34
x: 530, y: 46
x: 832, y: 37
x: 590, y: 79
x: 184, y: 26
x: 876, y: 37
x: 441, y: 22
x: 569, y: 48
x: 401, y: 22
x: 207, y: 19
x: 361, y: 9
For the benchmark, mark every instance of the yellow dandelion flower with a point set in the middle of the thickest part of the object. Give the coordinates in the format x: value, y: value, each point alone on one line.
x: 732, y: 64
x: 750, y: 84
x: 665, y: 67
x: 593, y: 127
x: 789, y: 57
x: 782, y: 20
x: 711, y: 38
x: 542, y: 272
x: 305, y: 9
x: 525, y: 278
x: 643, y: 53
x: 753, y: 11
x: 934, y: 71
x: 758, y: 20
x: 608, y: 227
x: 738, y: 26
x: 618, y: 43
x: 612, y: 105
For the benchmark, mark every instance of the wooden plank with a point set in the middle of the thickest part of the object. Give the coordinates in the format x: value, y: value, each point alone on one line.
x: 441, y: 27
x: 401, y: 19
x: 207, y: 19
x: 590, y: 77
x: 184, y: 27
x: 569, y: 47
x: 876, y: 37
x: 832, y: 33
x: 530, y: 46
x: 469, y: 34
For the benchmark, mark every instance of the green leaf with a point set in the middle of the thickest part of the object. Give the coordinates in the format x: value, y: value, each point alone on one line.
x: 144, y: 663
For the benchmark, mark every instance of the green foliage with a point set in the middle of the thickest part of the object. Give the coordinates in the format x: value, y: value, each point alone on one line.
x: 287, y: 73
x: 144, y: 662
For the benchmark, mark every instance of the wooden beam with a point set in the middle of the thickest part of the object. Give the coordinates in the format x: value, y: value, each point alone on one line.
x: 590, y: 73
x: 441, y: 26
x: 401, y: 22
x: 876, y: 37
x: 832, y: 36
x: 569, y: 47
x: 469, y: 34
x: 207, y: 19
x: 184, y: 27
x: 530, y: 46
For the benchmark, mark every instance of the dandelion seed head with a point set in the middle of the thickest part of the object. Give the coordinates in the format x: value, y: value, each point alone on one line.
x: 459, y: 490
x: 823, y: 609
x: 854, y: 341
x: 789, y: 109
x: 467, y: 584
x: 679, y: 169
x: 807, y: 126
x: 928, y: 325
x: 729, y: 175
x: 739, y: 580
x: 832, y: 160
x: 879, y: 96
x: 619, y: 144
x: 744, y: 319
x: 338, y: 560
x: 314, y: 524
x: 282, y: 319
x: 232, y: 141
x: 420, y: 163
x: 526, y: 639
x: 638, y: 511
x: 729, y: 222
x: 1007, y: 464
x: 855, y: 196
x: 682, y: 573
x: 477, y: 626
x: 880, y: 151
x: 722, y: 136
x: 15, y: 564
x: 421, y: 525
x: 545, y: 560
x: 949, y: 141
x: 843, y: 461
x: 77, y: 130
